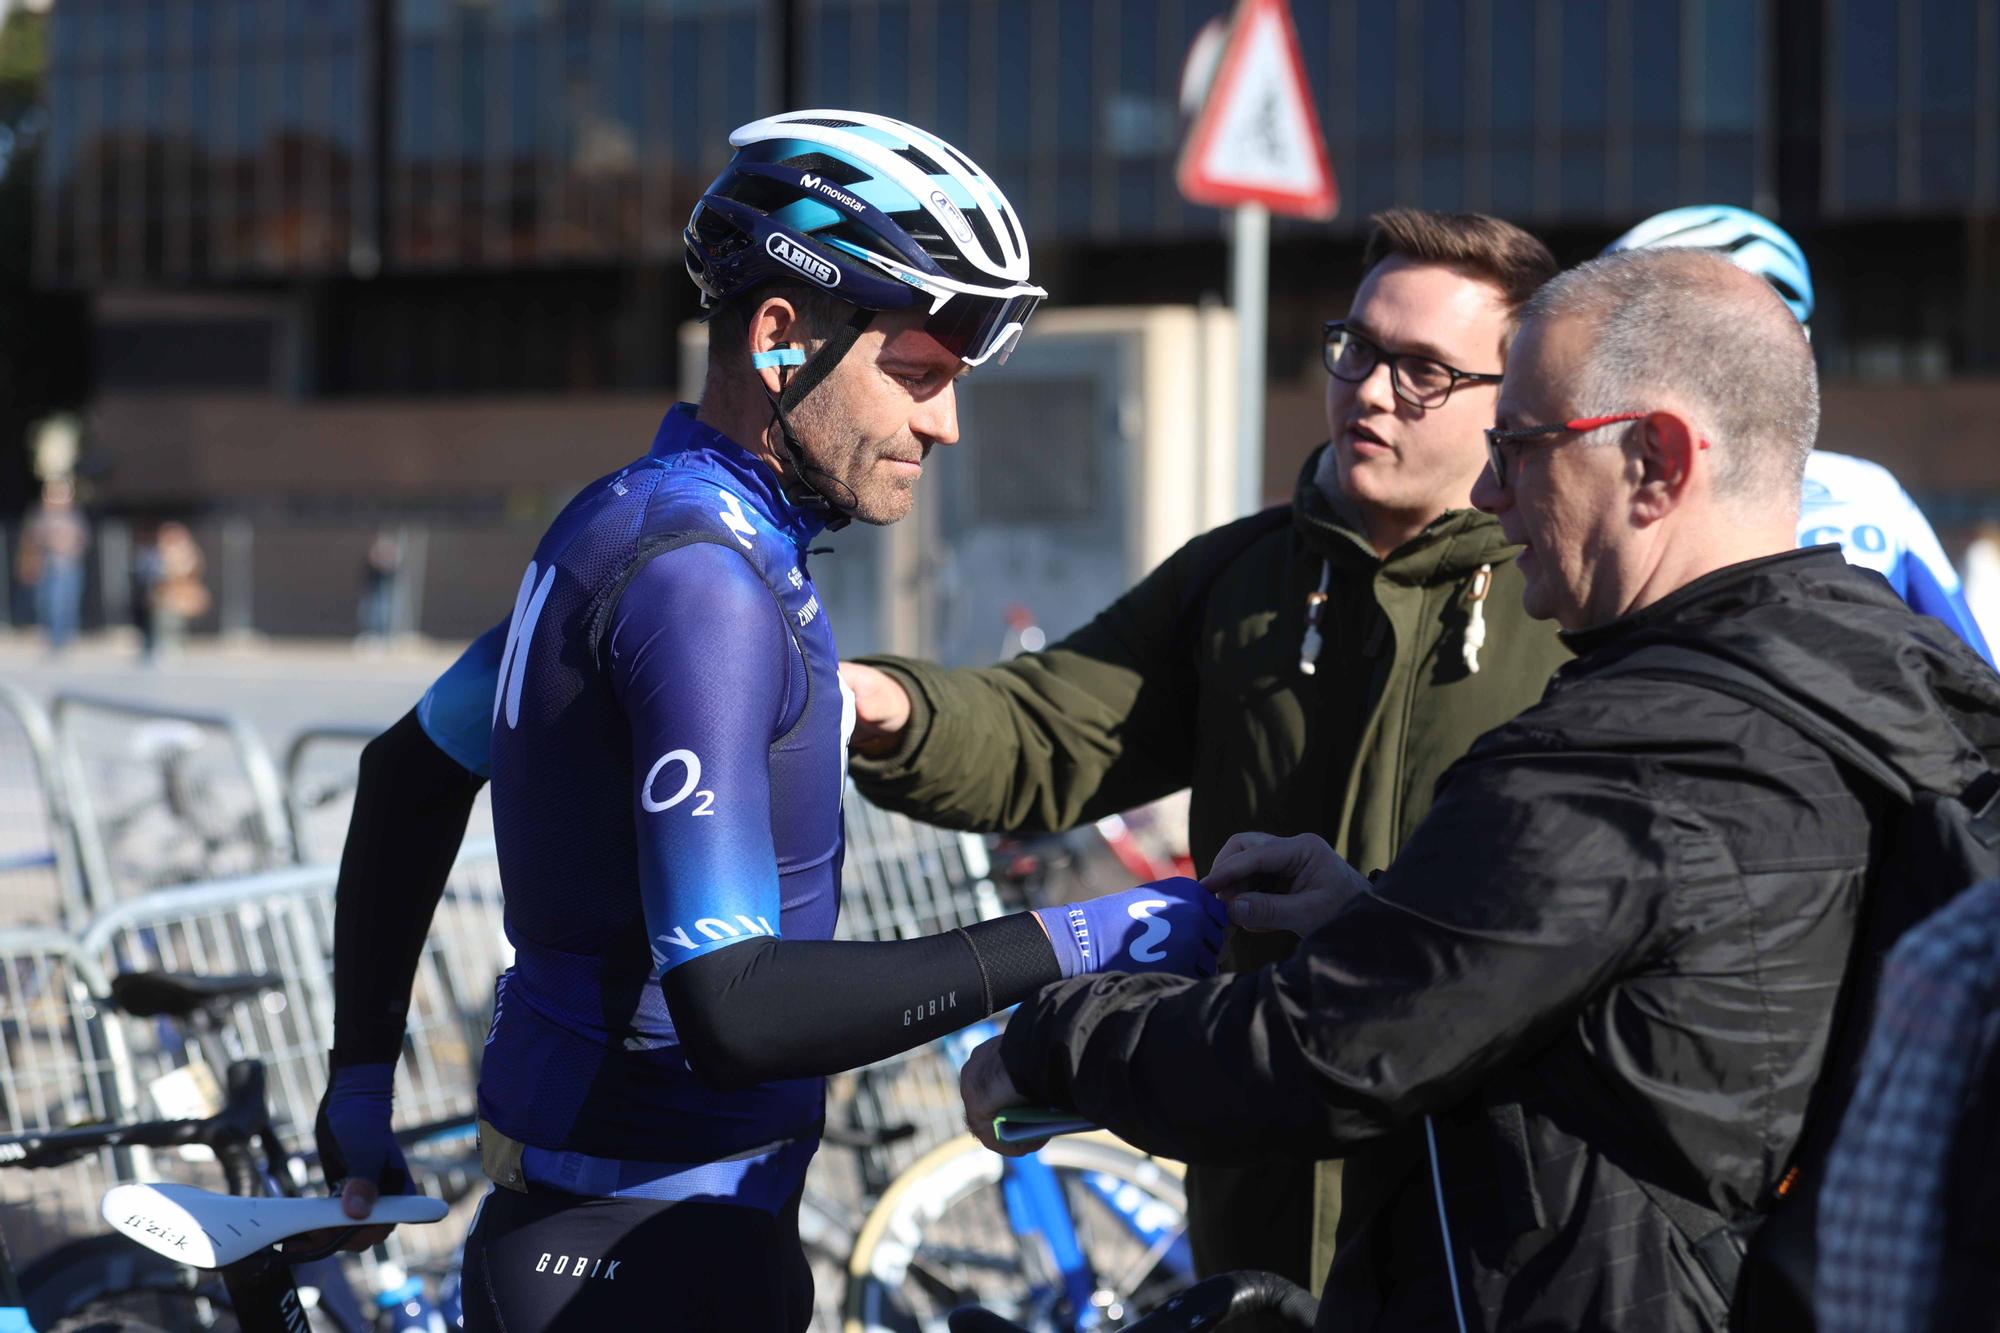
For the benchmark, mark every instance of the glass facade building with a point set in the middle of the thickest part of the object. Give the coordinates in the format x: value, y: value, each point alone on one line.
x: 217, y: 140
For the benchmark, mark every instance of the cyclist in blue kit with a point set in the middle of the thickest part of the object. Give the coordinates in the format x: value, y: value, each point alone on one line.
x: 1844, y: 501
x: 665, y: 731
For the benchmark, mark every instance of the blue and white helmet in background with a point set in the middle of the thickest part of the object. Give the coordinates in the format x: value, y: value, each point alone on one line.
x: 1748, y: 240
x: 876, y: 211
x: 1857, y: 504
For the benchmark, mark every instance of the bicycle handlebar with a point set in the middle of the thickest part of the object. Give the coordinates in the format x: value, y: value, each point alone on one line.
x: 242, y: 1117
x: 1205, y: 1305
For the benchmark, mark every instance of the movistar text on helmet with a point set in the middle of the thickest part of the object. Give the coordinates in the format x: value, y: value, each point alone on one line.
x: 802, y: 259
x: 809, y: 181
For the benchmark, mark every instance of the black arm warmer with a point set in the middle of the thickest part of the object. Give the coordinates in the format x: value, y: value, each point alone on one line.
x: 774, y: 1009
x: 410, y: 808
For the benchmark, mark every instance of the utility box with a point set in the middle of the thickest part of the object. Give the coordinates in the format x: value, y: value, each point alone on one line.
x: 1104, y: 443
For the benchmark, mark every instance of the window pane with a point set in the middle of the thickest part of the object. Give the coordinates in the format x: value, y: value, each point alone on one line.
x: 1374, y: 111
x: 1583, y: 104
x: 1732, y: 66
x: 892, y: 60
x: 1948, y: 42
x: 1443, y: 104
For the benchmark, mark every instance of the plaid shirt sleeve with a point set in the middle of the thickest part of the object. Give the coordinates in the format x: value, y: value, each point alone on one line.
x: 1889, y: 1183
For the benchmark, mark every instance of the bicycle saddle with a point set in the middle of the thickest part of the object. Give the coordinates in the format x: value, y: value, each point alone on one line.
x: 179, y: 994
x: 209, y: 1230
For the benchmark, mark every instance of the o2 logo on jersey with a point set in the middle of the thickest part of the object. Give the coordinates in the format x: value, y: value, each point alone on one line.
x: 528, y: 605
x: 690, y: 779
x: 1146, y: 948
x: 736, y: 520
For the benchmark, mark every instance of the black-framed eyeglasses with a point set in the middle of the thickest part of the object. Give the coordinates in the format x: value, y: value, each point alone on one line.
x: 1420, y: 381
x: 1501, y: 439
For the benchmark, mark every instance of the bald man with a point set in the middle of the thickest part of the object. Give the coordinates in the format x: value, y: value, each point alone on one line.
x: 1600, y: 975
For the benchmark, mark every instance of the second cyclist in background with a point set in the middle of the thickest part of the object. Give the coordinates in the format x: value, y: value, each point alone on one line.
x: 1848, y: 501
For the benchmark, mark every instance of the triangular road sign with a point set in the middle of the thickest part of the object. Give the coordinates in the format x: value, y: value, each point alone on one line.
x: 1257, y: 139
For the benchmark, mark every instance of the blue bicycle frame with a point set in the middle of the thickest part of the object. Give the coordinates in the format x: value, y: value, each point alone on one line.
x: 1037, y: 1209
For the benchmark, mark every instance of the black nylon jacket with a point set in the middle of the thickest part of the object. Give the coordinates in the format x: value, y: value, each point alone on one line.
x: 1610, y: 953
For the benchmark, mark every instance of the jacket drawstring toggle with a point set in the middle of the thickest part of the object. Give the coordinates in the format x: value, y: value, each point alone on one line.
x: 1475, y: 625
x: 1315, y: 603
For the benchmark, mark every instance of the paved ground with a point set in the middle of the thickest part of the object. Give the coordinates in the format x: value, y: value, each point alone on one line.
x: 279, y: 686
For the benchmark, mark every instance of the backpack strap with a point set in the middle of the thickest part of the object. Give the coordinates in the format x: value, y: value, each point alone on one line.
x: 1674, y: 662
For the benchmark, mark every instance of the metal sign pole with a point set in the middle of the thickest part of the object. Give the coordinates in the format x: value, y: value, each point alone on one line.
x: 1250, y: 283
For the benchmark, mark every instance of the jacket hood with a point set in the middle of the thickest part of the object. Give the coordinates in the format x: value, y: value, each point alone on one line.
x: 1834, y: 639
x: 1453, y: 545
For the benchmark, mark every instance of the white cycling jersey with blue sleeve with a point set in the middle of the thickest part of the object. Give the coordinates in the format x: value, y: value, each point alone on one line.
x: 1861, y: 506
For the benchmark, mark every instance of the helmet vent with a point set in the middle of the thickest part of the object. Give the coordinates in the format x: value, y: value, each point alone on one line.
x: 838, y: 170
x: 1014, y: 230
x: 923, y: 229
x: 827, y: 123
x: 923, y: 161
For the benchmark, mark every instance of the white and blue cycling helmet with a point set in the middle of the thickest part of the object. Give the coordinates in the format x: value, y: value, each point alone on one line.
x: 881, y: 214
x: 1748, y: 240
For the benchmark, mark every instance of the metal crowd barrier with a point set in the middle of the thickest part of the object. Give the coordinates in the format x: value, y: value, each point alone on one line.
x: 281, y: 923
x: 63, y: 1059
x: 321, y: 767
x: 197, y: 791
x: 40, y: 880
x: 66, y: 1059
x: 60, y: 1064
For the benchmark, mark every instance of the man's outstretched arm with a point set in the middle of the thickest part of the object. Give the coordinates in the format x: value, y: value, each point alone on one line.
x: 751, y: 1006
x: 414, y: 793
x: 1097, y: 723
x: 1408, y: 997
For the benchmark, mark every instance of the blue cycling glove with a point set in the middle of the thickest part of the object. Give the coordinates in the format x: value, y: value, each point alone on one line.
x: 353, y: 1128
x: 1170, y: 925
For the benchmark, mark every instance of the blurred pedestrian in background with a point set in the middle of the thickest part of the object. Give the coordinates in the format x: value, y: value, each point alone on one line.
x: 168, y: 572
x: 381, y: 570
x: 51, y: 561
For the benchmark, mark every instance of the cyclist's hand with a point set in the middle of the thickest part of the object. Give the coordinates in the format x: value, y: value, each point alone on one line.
x: 881, y: 708
x: 1271, y: 883
x: 988, y: 1089
x: 357, y: 1150
x: 1170, y: 925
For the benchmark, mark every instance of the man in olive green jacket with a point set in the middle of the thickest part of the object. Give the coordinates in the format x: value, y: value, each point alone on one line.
x: 1310, y: 669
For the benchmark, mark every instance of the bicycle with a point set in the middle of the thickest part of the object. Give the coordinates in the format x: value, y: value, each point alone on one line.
x: 1082, y: 1235
x: 1210, y: 1304
x: 100, y: 1282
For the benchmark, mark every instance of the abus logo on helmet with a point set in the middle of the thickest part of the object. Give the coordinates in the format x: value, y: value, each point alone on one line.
x: 805, y: 261
x: 952, y: 217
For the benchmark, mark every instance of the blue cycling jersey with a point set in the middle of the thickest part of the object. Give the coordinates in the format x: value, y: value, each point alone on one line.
x: 1861, y: 507
x: 663, y: 723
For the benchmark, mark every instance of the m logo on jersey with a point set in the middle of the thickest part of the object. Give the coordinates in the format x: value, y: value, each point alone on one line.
x: 736, y: 520
x: 528, y: 604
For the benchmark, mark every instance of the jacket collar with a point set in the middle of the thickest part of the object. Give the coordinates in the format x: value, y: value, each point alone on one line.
x: 1714, y: 593
x: 1455, y: 543
x: 683, y: 442
x: 1835, y: 640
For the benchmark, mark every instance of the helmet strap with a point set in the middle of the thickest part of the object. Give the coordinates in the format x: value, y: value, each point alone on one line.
x: 802, y: 380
